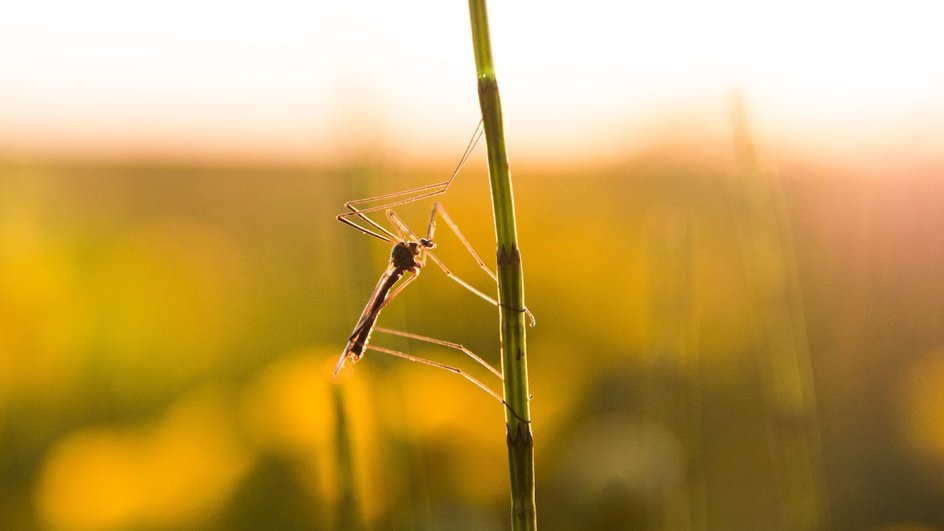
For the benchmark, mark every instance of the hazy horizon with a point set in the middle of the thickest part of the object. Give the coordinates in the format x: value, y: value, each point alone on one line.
x: 289, y: 83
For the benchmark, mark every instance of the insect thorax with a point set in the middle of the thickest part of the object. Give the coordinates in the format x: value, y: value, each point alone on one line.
x: 403, y: 255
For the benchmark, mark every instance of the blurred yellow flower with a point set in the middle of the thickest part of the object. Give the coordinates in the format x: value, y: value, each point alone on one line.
x: 171, y: 472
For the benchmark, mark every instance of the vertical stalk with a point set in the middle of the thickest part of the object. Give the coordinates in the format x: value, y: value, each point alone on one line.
x: 347, y: 508
x: 787, y: 373
x: 510, y: 281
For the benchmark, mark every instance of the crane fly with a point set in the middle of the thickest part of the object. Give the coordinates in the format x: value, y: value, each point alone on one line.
x: 407, y: 258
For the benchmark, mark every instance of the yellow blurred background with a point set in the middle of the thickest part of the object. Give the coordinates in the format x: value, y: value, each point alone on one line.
x: 732, y: 232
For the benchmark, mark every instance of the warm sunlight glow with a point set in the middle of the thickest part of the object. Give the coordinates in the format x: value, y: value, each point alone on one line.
x: 924, y: 407
x: 289, y: 409
x: 176, y: 470
x: 297, y: 80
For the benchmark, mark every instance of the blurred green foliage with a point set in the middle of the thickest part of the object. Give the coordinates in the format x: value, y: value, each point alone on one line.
x: 715, y: 349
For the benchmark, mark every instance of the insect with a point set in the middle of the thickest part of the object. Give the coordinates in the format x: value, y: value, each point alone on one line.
x: 407, y: 258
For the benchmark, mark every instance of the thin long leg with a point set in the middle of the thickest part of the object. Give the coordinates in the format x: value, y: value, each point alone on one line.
x: 441, y: 342
x: 383, y: 234
x: 431, y: 227
x: 454, y: 370
x: 458, y: 280
x: 455, y: 230
x: 398, y: 225
x: 429, y: 190
x: 439, y: 209
x: 416, y: 194
x: 362, y: 213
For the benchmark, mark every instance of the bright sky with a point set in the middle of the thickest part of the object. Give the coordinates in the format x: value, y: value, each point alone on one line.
x: 290, y: 80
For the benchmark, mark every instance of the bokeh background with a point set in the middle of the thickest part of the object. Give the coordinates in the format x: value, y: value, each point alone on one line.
x: 731, y: 224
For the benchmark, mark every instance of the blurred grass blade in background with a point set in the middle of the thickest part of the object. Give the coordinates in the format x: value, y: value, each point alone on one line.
x: 783, y: 354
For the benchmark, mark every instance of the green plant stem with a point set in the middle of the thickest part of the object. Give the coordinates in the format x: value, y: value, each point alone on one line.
x: 510, y: 281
